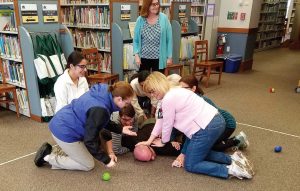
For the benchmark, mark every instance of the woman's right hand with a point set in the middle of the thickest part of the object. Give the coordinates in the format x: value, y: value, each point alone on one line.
x: 111, y: 164
x: 137, y: 60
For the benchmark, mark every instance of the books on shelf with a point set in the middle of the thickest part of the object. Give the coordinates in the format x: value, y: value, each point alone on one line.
x: 83, y: 1
x: 13, y: 73
x: 86, y: 16
x: 9, y: 47
x: 6, y: 1
x: 7, y: 21
x: 90, y: 39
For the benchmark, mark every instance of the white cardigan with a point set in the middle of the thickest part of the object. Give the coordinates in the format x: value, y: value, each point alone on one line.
x: 65, y: 90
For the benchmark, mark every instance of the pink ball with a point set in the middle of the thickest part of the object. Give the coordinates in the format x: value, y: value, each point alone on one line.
x: 143, y: 153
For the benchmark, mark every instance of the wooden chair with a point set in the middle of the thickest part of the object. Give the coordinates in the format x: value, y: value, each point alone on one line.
x: 5, y: 89
x: 94, y: 61
x: 178, y: 67
x: 207, y: 67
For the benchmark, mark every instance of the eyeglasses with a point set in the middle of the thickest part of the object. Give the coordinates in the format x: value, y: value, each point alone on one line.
x: 81, y: 66
x: 154, y: 4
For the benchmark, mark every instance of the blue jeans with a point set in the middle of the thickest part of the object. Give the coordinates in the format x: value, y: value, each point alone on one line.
x: 199, y: 158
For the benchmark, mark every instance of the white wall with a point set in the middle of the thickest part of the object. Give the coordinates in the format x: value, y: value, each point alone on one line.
x: 240, y: 6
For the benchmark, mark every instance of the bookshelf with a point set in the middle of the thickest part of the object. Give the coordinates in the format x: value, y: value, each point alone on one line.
x: 291, y: 18
x: 122, y: 48
x: 198, y: 8
x: 271, y: 29
x: 182, y: 25
x: 89, y: 23
x: 12, y: 67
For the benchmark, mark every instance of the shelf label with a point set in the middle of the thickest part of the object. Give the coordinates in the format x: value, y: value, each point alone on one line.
x: 50, y: 13
x: 125, y: 12
x: 29, y: 13
x: 181, y: 11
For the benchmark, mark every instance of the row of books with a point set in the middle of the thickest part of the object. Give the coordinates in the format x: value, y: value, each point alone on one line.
x: 198, y: 20
x: 6, y: 1
x: 9, y: 46
x: 22, y: 98
x: 197, y: 10
x: 83, y: 1
x: 128, y: 58
x: 86, y: 16
x: 89, y: 38
x: 13, y: 72
x: 8, y: 21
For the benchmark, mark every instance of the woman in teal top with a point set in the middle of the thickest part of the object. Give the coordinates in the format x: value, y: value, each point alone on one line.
x: 152, y: 42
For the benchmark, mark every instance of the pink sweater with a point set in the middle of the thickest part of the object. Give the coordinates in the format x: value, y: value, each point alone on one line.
x: 184, y: 110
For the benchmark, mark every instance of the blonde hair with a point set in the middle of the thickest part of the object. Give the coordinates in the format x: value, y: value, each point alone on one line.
x: 158, y: 82
x: 174, y: 79
x: 121, y: 89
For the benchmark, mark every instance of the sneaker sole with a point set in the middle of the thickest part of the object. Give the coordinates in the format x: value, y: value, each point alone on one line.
x: 44, y: 150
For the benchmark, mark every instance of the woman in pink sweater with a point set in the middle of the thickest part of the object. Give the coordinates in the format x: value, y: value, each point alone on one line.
x: 199, y: 121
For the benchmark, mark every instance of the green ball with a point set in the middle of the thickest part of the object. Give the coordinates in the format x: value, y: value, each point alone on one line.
x: 106, y: 176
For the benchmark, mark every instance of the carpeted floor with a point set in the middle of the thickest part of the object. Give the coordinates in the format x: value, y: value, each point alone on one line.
x: 268, y: 119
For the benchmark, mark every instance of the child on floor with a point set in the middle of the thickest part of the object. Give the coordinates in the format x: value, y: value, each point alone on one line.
x: 200, y: 122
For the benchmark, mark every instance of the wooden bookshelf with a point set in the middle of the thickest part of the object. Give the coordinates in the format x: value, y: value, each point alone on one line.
x: 198, y: 8
x: 89, y: 23
x: 12, y: 67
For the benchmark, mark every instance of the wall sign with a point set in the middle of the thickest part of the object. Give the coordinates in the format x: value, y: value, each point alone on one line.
x: 210, y: 10
x: 182, y: 11
x: 50, y: 13
x: 243, y: 16
x: 232, y: 15
x: 29, y: 13
x: 125, y: 12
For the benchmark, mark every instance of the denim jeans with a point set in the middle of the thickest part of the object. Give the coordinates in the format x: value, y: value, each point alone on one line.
x: 199, y: 158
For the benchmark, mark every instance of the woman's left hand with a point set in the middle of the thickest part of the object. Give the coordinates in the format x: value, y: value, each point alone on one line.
x: 157, y: 143
x: 127, y: 130
x: 169, y: 61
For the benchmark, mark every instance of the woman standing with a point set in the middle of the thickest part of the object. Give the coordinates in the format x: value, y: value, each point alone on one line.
x: 152, y: 43
x: 199, y: 121
x: 75, y: 128
x: 72, y: 83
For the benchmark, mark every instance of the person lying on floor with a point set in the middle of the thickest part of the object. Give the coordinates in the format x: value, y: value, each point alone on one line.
x: 124, y: 143
x: 223, y: 142
x: 75, y: 128
x: 200, y: 122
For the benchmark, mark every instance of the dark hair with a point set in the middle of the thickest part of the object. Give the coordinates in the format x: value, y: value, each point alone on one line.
x: 145, y: 8
x: 74, y: 58
x: 128, y: 111
x: 121, y: 89
x: 191, y: 81
x: 143, y: 75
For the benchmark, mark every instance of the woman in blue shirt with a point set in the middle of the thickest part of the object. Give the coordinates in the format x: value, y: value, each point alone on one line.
x: 76, y: 127
x: 152, y: 42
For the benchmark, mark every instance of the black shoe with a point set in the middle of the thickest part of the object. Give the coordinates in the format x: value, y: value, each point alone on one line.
x: 43, y: 151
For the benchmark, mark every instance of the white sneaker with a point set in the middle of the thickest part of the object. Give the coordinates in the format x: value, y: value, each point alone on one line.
x: 242, y: 137
x: 236, y: 169
x: 239, y: 157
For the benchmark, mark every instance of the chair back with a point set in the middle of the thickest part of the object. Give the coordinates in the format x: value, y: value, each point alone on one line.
x: 94, y: 59
x: 201, y: 51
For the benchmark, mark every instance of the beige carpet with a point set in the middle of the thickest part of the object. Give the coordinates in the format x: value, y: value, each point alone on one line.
x: 246, y: 95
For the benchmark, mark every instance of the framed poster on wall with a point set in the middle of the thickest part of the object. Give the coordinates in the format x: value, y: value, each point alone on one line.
x: 210, y: 10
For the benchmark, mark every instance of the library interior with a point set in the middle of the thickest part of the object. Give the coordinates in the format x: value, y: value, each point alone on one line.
x: 121, y: 94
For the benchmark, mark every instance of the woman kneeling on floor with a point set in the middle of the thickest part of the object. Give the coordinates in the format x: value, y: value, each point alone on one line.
x: 76, y: 127
x: 199, y: 121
